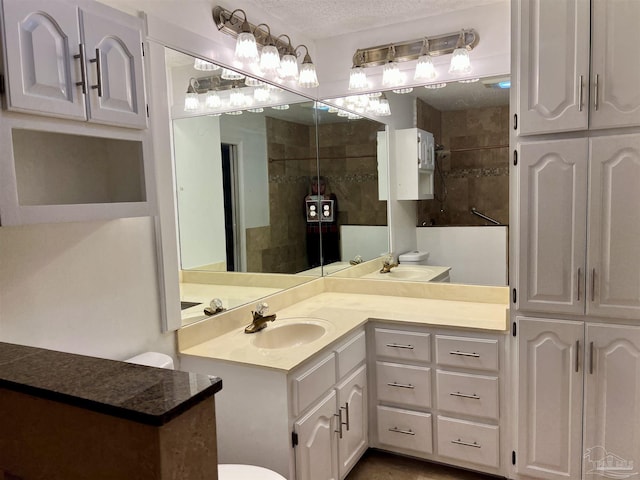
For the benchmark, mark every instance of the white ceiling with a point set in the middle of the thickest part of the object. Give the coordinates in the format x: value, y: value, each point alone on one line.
x: 327, y: 18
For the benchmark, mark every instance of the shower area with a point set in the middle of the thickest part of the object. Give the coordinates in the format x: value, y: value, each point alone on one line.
x: 471, y: 179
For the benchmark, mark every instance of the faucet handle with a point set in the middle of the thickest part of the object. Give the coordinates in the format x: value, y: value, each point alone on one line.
x: 261, y: 308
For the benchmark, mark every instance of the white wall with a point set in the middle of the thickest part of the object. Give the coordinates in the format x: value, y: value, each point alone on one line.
x: 200, y: 193
x: 476, y: 255
x: 88, y: 288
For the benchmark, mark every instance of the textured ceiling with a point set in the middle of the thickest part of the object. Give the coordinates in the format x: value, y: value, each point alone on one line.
x: 326, y: 18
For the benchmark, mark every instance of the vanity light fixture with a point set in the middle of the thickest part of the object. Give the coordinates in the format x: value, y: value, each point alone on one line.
x: 391, y: 76
x: 204, y: 65
x: 191, y: 100
x: 278, y: 60
x: 383, y: 110
x: 246, y: 47
x: 425, y: 70
x: 460, y: 61
x: 424, y: 51
x: 212, y: 100
x: 270, y: 56
x: 308, y: 77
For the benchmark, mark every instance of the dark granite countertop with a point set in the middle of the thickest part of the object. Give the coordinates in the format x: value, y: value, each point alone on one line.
x: 143, y: 394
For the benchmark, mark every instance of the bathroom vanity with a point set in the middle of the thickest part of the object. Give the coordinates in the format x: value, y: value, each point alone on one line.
x: 306, y: 396
x: 66, y: 417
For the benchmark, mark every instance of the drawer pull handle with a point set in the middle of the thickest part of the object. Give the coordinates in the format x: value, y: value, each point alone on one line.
x: 465, y: 354
x: 401, y: 385
x: 466, y: 444
x: 405, y: 432
x: 465, y: 395
x: 398, y: 345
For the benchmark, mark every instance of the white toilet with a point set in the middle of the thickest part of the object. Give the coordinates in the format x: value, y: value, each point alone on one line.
x: 225, y: 471
x: 416, y: 257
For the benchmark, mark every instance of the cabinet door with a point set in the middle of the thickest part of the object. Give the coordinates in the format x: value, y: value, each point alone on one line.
x: 316, y: 452
x: 615, y: 77
x: 549, y: 398
x: 612, y: 405
x: 553, y: 65
x: 40, y: 42
x: 114, y: 71
x: 552, y: 211
x: 614, y: 227
x: 352, y: 400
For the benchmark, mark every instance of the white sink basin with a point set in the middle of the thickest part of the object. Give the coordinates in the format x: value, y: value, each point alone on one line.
x: 412, y: 273
x: 290, y: 334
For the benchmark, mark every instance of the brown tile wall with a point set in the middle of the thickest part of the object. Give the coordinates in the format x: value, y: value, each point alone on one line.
x: 473, y: 176
x: 348, y: 161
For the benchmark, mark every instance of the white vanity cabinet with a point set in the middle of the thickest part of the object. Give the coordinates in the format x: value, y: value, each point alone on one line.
x: 563, y: 84
x: 307, y: 424
x: 415, y: 164
x: 65, y: 61
x: 559, y: 363
x: 437, y: 394
x: 567, y: 268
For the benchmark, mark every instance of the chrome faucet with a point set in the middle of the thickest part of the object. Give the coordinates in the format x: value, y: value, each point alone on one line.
x: 259, y: 319
x: 388, y: 264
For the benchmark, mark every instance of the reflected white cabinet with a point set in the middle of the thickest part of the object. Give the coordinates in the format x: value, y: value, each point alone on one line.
x: 415, y: 163
x: 564, y: 86
x: 81, y: 64
x: 559, y: 363
x: 552, y: 207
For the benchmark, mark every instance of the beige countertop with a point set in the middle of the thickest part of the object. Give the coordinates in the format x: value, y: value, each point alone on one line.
x: 342, y: 313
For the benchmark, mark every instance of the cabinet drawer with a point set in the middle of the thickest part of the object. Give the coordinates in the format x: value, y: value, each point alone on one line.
x: 403, y: 384
x: 313, y: 382
x: 351, y: 354
x: 465, y: 352
x: 467, y: 394
x: 405, y: 429
x: 468, y: 441
x: 403, y: 345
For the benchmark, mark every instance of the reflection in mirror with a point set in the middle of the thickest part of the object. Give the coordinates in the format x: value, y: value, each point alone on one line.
x: 244, y: 171
x: 469, y: 123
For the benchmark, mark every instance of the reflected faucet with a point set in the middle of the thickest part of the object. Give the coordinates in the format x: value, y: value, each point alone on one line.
x: 259, y: 319
x: 388, y: 264
x: 215, y: 306
x: 356, y: 260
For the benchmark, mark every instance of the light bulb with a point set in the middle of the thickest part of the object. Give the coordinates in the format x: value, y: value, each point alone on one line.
x: 308, y: 77
x: 460, y: 62
x: 425, y: 69
x: 212, y: 100
x: 269, y: 59
x: 246, y: 48
x: 391, y: 76
x: 289, y: 67
x: 191, y: 102
x: 357, y: 79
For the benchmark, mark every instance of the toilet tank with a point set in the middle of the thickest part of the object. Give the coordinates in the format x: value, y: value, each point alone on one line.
x: 415, y: 257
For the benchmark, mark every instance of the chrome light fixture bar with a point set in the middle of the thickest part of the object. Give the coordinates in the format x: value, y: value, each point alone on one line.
x: 278, y: 58
x: 414, y: 49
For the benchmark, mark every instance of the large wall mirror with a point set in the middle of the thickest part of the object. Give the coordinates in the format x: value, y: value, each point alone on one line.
x: 272, y: 188
x: 464, y: 227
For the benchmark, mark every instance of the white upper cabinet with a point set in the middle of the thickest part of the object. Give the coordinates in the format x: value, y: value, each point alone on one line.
x: 70, y: 63
x: 615, y: 73
x: 553, y: 215
x: 557, y: 92
x: 553, y: 65
x: 614, y: 227
x: 552, y: 207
